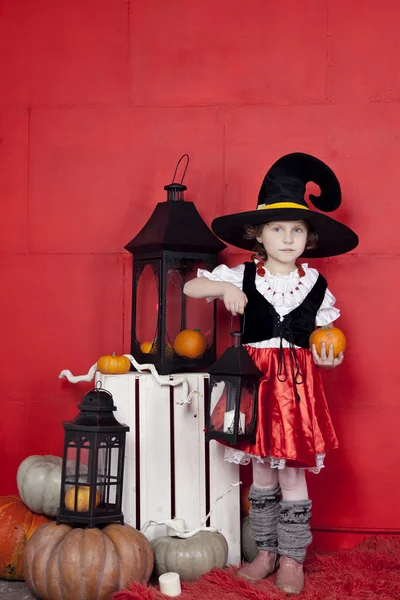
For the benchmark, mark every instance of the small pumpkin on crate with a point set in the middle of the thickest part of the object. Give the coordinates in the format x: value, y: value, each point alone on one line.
x: 113, y: 364
x: 17, y: 524
x: 329, y: 335
x: 190, y: 557
x: 65, y: 563
x: 190, y: 343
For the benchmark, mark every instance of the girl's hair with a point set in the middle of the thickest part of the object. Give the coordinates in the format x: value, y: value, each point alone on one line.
x: 252, y: 232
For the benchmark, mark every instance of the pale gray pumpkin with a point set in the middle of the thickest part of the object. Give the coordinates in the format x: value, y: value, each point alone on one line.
x: 190, y: 557
x: 39, y: 482
x: 248, y: 545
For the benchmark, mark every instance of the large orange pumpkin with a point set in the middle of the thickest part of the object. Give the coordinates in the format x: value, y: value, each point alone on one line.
x: 190, y: 343
x: 113, y: 364
x: 329, y: 335
x: 65, y: 563
x: 17, y: 524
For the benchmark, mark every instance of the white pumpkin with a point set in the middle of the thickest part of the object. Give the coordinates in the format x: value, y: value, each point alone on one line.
x: 190, y: 557
x: 39, y: 482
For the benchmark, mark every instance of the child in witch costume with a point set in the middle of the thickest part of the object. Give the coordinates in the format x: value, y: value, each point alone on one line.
x: 282, y: 302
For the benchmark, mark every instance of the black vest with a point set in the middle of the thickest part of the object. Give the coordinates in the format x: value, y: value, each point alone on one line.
x: 262, y: 322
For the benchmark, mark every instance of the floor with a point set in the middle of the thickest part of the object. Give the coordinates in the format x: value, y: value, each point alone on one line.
x: 15, y: 590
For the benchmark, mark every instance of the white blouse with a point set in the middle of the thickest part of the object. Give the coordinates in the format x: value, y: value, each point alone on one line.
x: 284, y: 292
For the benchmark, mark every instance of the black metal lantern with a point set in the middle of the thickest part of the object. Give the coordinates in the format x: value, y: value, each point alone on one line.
x: 232, y: 406
x: 93, y: 463
x: 169, y: 249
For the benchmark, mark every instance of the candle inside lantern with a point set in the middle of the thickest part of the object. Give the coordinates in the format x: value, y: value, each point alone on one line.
x: 229, y: 418
x: 170, y: 584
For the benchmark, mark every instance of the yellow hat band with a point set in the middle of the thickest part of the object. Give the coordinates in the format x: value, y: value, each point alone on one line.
x: 281, y: 205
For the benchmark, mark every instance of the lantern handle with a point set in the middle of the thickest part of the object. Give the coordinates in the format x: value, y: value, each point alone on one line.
x: 241, y: 329
x: 177, y: 165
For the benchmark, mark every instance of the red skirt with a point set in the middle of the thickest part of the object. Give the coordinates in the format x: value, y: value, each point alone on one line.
x: 288, y: 428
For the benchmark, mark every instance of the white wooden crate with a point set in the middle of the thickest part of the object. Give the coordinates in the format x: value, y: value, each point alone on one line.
x: 177, y: 475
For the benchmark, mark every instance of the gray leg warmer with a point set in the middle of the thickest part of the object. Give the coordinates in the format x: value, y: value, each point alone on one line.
x: 294, y: 533
x: 264, y: 514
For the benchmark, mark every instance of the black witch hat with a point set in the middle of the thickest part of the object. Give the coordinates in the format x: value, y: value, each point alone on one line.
x: 281, y: 198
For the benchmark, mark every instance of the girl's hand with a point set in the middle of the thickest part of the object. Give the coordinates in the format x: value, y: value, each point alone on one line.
x: 234, y: 299
x: 327, y: 362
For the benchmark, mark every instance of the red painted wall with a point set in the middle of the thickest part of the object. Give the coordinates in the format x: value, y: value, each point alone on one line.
x: 98, y: 99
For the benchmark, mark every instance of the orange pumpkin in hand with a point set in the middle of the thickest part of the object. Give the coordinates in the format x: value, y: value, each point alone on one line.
x: 329, y: 335
x: 190, y: 343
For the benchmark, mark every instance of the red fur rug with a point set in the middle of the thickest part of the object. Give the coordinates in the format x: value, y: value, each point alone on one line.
x: 369, y: 571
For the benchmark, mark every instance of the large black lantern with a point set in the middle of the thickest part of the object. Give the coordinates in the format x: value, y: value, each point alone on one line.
x: 233, y: 396
x: 167, y: 252
x: 93, y: 463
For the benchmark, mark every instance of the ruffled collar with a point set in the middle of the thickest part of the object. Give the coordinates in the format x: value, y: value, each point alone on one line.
x: 286, y: 289
x: 292, y: 275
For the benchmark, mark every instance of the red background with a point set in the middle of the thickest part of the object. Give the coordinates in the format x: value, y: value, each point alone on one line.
x: 98, y: 101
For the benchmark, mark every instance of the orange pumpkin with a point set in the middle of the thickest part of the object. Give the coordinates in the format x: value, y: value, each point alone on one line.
x: 146, y: 347
x: 83, y: 498
x: 190, y: 343
x: 149, y: 348
x: 65, y: 563
x: 329, y: 335
x: 17, y: 524
x: 113, y: 364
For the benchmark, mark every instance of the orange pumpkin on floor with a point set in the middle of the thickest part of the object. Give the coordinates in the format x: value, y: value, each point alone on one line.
x: 17, y: 524
x: 190, y: 343
x: 65, y: 563
x: 329, y: 335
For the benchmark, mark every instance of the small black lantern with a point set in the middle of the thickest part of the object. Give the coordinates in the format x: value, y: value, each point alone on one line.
x: 169, y: 249
x: 93, y: 463
x: 232, y: 407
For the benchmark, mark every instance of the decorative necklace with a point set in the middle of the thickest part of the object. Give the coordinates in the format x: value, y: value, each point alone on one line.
x: 261, y: 271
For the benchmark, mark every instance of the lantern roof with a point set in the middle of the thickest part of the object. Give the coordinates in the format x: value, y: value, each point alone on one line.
x: 96, y: 414
x: 235, y: 361
x: 175, y: 225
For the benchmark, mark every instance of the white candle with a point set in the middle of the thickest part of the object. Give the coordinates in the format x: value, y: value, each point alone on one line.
x: 170, y: 584
x: 229, y: 418
x: 178, y: 525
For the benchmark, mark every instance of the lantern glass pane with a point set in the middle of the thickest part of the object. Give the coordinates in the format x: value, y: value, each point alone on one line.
x: 248, y: 399
x: 224, y: 398
x: 147, y: 307
x: 174, y: 308
x: 199, y: 315
x: 107, y: 471
x: 78, y: 461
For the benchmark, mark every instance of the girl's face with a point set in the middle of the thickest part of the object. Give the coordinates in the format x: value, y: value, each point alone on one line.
x: 284, y: 241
